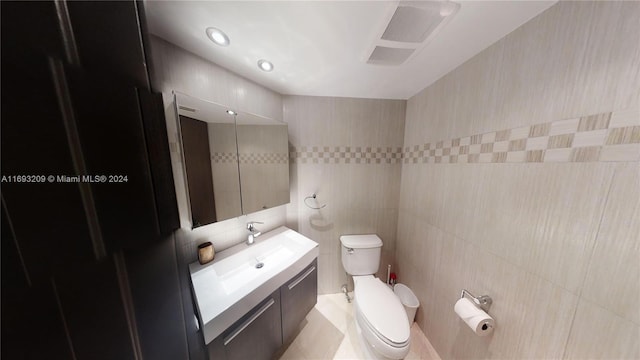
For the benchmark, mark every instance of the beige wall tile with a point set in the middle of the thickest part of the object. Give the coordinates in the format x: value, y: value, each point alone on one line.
x: 557, y: 155
x: 519, y: 133
x: 626, y: 117
x: 474, y: 148
x: 489, y: 137
x: 517, y: 145
x: 501, y: 146
x: 537, y: 143
x: 629, y: 152
x: 561, y: 141
x: 586, y: 154
x: 564, y: 127
x: 590, y: 138
x: 503, y: 135
x: 594, y: 122
x: 499, y: 157
x: 625, y: 135
x: 485, y: 157
x: 539, y: 130
x: 534, y: 156
x: 538, y: 217
x: 600, y: 334
x: 613, y: 279
x: 516, y: 156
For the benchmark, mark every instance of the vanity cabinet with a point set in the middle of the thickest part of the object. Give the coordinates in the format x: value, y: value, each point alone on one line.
x: 298, y: 297
x: 261, y: 332
x: 257, y: 335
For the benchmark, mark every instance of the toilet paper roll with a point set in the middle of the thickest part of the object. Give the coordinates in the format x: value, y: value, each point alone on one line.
x: 478, y: 320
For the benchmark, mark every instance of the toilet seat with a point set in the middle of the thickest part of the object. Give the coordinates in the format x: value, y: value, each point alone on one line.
x: 382, y: 317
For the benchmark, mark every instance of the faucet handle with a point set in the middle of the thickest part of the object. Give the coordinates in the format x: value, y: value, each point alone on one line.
x: 251, y: 223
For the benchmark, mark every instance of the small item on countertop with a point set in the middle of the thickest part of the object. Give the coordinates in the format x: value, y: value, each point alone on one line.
x: 394, y: 279
x: 205, y: 252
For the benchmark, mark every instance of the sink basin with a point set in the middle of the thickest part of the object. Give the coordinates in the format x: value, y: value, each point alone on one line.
x: 243, y: 275
x: 237, y: 273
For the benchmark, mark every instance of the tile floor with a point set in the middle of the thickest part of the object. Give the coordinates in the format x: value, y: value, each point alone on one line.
x: 329, y: 332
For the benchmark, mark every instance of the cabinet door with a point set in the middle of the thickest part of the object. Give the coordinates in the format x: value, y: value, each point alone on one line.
x: 298, y: 297
x: 110, y: 127
x: 197, y: 162
x: 155, y: 129
x: 258, y: 334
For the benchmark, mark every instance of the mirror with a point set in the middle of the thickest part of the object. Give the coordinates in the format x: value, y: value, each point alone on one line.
x: 263, y: 151
x: 234, y: 163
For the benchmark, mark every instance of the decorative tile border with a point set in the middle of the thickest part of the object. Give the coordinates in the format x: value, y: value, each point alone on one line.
x: 601, y: 137
x: 265, y: 158
x: 224, y: 157
x: 346, y: 155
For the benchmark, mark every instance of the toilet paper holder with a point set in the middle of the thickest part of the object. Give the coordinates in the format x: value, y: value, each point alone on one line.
x: 484, y: 301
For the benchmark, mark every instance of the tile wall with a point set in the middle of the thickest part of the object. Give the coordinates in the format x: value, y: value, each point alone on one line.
x: 348, y: 152
x: 521, y: 180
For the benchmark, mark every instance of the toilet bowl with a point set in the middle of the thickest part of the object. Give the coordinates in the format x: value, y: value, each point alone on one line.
x: 380, y: 316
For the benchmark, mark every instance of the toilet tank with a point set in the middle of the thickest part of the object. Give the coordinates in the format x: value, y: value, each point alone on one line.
x: 361, y: 254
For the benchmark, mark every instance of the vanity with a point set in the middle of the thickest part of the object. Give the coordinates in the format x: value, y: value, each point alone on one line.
x: 252, y: 298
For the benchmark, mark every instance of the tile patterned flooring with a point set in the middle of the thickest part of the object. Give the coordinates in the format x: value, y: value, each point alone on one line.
x: 329, y: 332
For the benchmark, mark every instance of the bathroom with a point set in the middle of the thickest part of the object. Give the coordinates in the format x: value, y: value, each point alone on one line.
x: 511, y: 171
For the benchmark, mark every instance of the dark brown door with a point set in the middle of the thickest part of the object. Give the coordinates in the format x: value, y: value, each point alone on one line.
x: 197, y: 157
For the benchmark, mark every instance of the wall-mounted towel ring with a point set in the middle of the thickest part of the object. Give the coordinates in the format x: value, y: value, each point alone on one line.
x: 313, y: 196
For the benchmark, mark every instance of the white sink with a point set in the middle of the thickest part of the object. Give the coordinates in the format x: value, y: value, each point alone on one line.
x: 242, y: 276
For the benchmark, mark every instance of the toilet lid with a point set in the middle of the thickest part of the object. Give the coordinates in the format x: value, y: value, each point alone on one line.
x: 382, y: 309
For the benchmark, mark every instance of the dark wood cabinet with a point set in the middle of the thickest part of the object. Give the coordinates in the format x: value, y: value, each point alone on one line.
x: 275, y: 321
x: 197, y: 163
x: 298, y: 297
x: 257, y: 335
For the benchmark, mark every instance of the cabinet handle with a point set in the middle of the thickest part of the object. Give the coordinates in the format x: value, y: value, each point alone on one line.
x: 237, y: 332
x: 302, y: 277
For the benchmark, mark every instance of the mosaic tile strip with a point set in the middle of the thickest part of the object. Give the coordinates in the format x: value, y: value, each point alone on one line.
x: 346, y: 155
x: 612, y: 136
x: 224, y: 158
x: 265, y: 158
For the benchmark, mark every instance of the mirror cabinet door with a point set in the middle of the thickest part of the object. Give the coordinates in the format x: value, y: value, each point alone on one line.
x: 198, y: 167
x: 208, y: 139
x: 263, y: 150
x: 234, y: 164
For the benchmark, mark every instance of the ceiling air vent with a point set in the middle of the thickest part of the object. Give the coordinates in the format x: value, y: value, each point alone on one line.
x: 412, y: 25
x: 389, y: 56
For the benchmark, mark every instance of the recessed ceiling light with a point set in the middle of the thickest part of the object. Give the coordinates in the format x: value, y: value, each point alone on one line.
x: 217, y: 36
x: 265, y: 65
x: 231, y: 112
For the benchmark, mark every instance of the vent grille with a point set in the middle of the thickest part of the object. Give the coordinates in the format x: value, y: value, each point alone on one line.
x: 413, y: 24
x: 389, y: 56
x: 407, y: 29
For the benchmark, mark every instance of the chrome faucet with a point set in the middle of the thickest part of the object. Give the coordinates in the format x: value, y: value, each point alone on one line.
x: 253, y: 232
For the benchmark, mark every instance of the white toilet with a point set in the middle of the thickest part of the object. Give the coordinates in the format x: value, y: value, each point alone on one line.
x: 380, y: 316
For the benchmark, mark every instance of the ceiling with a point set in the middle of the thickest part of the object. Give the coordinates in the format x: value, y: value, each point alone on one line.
x: 320, y: 48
